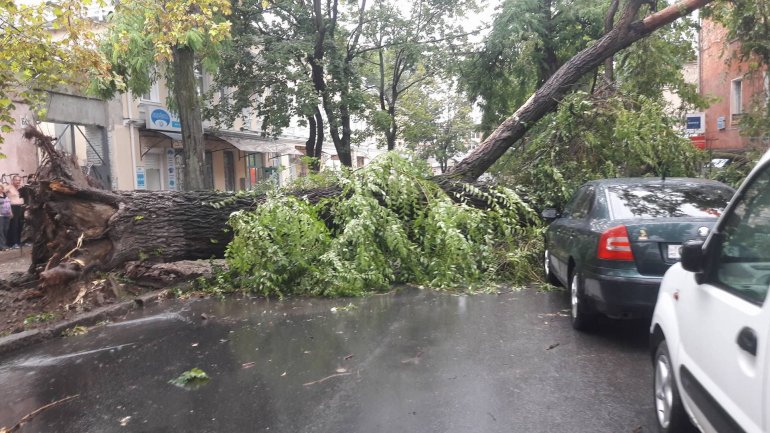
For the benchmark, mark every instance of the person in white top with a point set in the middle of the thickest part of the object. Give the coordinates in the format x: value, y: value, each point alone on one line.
x: 5, y: 216
x: 13, y: 236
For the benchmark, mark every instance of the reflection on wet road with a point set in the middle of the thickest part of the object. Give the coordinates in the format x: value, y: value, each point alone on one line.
x: 414, y: 361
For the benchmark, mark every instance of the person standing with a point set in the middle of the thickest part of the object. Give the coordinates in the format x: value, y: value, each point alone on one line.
x: 13, y: 238
x: 5, y: 216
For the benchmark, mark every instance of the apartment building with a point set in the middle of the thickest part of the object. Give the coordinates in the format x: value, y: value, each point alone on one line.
x: 732, y: 85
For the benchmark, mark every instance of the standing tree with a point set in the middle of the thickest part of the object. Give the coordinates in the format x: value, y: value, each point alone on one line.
x: 408, y: 49
x: 316, y: 46
x: 265, y: 72
x: 440, y: 124
x: 150, y: 39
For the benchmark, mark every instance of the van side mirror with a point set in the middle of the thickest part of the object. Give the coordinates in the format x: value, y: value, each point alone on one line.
x: 693, y: 255
x: 550, y: 214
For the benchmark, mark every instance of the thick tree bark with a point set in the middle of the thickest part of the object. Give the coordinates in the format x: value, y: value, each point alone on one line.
x: 547, y: 97
x: 189, y: 107
x: 77, y: 228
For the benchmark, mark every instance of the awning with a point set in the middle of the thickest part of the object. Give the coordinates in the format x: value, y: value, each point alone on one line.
x: 252, y: 145
x: 172, y: 135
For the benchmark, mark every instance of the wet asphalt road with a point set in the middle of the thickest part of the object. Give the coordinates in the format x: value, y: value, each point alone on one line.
x: 414, y: 361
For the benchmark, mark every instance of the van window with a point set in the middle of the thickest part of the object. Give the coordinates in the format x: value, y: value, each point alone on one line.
x: 744, y: 260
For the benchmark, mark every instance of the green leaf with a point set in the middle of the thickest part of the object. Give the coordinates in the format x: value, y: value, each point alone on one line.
x: 192, y: 378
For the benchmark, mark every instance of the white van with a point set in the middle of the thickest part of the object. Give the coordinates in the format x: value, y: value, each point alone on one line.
x: 711, y: 325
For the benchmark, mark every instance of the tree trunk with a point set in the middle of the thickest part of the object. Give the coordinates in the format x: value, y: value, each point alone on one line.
x: 392, y: 131
x: 190, y: 116
x: 315, y: 140
x: 609, y: 22
x: 77, y: 228
x: 547, y: 97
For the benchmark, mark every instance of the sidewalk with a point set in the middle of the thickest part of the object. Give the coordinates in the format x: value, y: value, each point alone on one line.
x: 14, y: 261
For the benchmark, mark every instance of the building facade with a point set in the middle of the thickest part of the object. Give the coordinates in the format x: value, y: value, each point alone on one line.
x: 135, y: 143
x: 732, y: 85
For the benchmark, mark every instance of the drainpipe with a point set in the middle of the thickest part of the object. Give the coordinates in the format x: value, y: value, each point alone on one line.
x: 129, y: 104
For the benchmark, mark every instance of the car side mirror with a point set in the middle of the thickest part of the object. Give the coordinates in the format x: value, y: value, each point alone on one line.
x: 550, y: 214
x: 693, y: 256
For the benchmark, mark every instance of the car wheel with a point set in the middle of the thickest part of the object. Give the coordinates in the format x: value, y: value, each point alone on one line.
x: 550, y: 278
x: 670, y: 412
x: 582, y: 318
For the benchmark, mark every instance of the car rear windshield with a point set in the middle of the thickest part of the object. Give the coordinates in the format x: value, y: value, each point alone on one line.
x: 666, y: 200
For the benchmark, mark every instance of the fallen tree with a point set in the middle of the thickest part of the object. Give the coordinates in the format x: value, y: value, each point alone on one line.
x: 77, y: 228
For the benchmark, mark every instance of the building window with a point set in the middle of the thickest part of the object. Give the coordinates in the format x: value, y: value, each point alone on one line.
x: 152, y: 95
x: 736, y: 101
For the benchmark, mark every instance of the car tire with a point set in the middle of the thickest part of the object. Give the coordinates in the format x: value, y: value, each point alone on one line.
x: 582, y: 318
x: 669, y: 410
x: 550, y: 277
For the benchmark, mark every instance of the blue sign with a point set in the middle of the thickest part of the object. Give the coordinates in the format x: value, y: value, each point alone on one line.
x: 140, y: 180
x: 693, y: 122
x: 721, y: 122
x: 161, y: 119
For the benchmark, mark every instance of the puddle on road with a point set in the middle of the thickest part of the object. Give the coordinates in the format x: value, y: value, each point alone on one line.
x: 46, y: 361
x: 148, y: 320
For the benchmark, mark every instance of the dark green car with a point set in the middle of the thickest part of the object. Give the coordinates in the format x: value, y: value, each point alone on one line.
x: 617, y: 237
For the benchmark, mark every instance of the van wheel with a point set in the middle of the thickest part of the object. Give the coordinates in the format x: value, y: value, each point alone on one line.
x: 582, y: 318
x: 670, y: 412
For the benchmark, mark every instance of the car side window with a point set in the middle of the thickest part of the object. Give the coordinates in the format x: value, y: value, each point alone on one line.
x: 743, y: 266
x: 583, y: 204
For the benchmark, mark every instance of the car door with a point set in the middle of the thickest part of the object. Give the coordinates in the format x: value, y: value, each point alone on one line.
x: 570, y: 231
x: 555, y: 235
x: 725, y: 321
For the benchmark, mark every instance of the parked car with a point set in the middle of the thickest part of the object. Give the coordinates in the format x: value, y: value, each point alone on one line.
x: 711, y: 324
x: 617, y: 237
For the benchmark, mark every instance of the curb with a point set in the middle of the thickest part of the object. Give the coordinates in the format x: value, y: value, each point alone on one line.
x: 23, y: 339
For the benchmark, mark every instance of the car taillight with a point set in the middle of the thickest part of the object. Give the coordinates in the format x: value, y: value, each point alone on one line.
x: 615, y: 245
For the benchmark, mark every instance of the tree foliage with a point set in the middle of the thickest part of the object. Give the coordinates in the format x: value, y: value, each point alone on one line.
x: 529, y: 41
x: 595, y: 136
x: 439, y: 124
x: 391, y: 224
x: 407, y: 49
x: 45, y: 46
x: 314, y: 47
x: 143, y: 34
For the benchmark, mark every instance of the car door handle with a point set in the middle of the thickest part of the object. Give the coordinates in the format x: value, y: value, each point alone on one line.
x: 747, y: 340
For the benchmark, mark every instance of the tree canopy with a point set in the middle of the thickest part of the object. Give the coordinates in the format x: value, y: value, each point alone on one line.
x: 45, y: 46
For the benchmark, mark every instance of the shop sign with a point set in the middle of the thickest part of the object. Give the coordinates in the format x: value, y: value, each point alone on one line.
x: 171, y: 167
x: 140, y: 179
x: 160, y: 119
